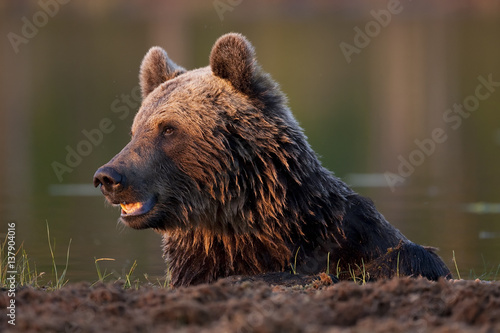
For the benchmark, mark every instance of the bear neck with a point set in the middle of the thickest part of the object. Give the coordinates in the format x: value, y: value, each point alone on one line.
x: 202, y: 256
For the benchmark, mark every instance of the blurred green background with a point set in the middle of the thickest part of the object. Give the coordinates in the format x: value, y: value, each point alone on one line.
x: 67, y: 65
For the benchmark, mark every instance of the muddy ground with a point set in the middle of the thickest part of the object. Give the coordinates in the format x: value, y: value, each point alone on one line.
x: 262, y: 305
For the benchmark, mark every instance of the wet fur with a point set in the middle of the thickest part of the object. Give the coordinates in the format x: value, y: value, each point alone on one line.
x: 239, y: 189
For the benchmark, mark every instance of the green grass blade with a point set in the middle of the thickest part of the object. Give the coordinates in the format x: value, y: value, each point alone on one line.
x: 456, y: 265
x: 61, y: 282
x: 54, y: 266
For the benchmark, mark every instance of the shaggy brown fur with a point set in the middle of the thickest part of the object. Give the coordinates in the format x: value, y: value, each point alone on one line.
x: 219, y: 166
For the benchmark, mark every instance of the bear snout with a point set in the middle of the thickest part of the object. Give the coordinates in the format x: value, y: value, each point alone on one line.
x: 110, y: 180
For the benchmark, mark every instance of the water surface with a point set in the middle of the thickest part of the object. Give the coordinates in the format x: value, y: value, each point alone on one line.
x: 364, y: 118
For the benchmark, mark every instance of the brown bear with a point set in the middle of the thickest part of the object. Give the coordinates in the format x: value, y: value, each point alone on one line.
x: 220, y: 167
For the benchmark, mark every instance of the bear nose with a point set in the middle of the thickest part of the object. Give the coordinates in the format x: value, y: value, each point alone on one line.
x: 109, y: 179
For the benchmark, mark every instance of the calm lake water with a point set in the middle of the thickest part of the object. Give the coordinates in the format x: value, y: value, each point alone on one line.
x: 407, y: 113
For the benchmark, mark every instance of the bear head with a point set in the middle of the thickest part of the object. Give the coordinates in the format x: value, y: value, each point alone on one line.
x: 209, y: 147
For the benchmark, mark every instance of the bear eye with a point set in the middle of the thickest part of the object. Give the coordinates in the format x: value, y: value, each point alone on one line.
x: 168, y: 130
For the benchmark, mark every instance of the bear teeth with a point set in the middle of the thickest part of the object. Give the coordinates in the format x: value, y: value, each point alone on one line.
x: 131, y: 207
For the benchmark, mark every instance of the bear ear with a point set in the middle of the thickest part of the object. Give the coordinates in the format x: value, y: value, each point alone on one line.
x: 233, y: 58
x: 156, y: 68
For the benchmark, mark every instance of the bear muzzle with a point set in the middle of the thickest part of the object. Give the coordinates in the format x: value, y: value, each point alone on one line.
x: 112, y: 184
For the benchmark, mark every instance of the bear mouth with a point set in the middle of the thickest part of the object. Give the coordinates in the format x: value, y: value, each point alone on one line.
x: 137, y: 208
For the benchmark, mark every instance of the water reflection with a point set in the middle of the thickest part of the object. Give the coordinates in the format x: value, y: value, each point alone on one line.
x: 359, y: 116
x: 73, y: 190
x: 366, y: 180
x: 482, y: 208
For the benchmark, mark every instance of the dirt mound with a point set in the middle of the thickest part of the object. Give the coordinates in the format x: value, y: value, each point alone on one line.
x: 239, y: 304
